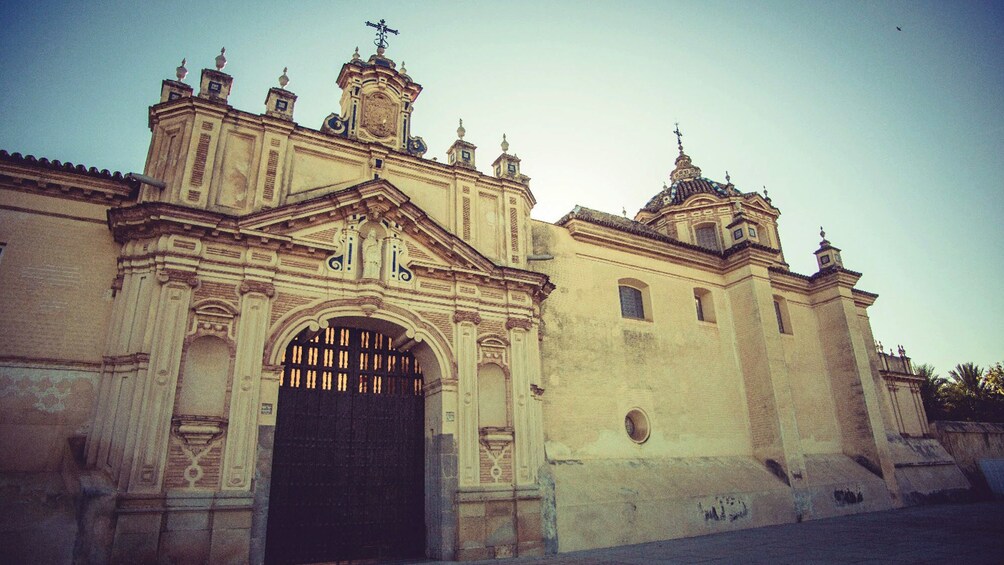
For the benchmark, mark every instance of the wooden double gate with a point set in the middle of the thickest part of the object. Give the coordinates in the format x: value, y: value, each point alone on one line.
x: 347, y: 467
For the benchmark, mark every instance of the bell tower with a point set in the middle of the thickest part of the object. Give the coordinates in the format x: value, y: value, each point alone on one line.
x: 377, y: 100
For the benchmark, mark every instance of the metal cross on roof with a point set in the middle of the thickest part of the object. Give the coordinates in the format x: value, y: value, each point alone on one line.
x: 382, y: 31
x: 679, y: 137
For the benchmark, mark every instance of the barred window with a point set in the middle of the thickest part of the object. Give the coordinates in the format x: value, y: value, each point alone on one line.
x: 632, y: 305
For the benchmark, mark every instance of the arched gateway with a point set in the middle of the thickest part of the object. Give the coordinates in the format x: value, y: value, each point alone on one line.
x: 348, y: 465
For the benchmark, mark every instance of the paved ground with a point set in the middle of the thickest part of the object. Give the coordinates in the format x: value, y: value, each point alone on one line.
x: 950, y: 533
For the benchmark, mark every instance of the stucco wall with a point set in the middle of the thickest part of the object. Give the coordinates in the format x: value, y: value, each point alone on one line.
x: 597, y: 365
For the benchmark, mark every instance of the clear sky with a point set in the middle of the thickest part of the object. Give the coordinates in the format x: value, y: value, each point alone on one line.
x: 892, y: 140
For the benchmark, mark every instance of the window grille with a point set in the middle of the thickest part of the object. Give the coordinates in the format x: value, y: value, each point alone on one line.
x: 631, y: 303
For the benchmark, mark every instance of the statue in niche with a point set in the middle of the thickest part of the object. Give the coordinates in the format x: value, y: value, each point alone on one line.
x: 371, y: 256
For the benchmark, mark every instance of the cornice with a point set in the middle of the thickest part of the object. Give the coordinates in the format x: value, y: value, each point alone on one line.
x: 664, y: 247
x: 827, y: 278
x: 152, y: 219
x: 65, y: 180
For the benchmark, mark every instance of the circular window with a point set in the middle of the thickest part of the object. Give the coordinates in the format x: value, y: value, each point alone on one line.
x: 636, y: 425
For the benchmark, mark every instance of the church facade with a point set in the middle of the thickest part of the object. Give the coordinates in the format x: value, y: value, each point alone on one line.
x: 286, y: 344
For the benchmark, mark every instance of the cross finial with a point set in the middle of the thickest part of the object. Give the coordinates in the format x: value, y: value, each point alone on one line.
x: 728, y: 179
x: 382, y: 31
x: 624, y: 211
x: 679, y: 137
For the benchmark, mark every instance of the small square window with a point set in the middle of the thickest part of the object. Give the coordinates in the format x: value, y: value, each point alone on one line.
x: 512, y: 168
x: 453, y: 158
x: 173, y: 96
x: 738, y: 234
x: 281, y: 105
x: 825, y: 259
x: 379, y: 163
x: 752, y: 231
x: 215, y: 86
x: 466, y: 155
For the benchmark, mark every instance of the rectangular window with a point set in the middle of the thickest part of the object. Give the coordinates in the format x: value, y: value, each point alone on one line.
x: 631, y: 303
x: 707, y: 237
x: 700, y: 308
x: 780, y: 319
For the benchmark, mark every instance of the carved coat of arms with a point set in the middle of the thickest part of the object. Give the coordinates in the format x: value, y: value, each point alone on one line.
x: 379, y: 117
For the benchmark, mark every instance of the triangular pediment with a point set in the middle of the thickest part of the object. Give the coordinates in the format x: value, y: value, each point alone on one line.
x: 340, y: 221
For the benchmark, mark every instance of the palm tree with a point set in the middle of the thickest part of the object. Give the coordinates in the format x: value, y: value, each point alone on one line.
x: 932, y: 392
x: 967, y: 392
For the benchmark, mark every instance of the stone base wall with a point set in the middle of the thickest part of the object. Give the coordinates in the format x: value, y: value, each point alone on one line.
x: 499, y: 523
x: 182, y: 528
x: 606, y: 503
x: 968, y: 442
x: 836, y: 485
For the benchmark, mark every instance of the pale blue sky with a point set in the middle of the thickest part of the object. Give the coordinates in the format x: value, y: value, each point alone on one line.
x: 893, y: 140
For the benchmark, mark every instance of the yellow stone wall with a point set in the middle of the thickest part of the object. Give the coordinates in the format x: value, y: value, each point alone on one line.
x: 57, y: 270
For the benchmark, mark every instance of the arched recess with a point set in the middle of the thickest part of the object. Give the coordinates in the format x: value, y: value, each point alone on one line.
x: 410, y: 334
x: 425, y: 341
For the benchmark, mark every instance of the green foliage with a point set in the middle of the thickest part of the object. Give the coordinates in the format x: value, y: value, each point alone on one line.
x: 968, y: 394
x: 932, y: 393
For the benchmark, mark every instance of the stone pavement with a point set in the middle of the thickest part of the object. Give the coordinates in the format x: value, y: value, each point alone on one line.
x: 947, y: 533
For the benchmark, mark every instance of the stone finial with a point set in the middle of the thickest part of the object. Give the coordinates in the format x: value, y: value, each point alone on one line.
x: 355, y: 54
x: 624, y: 211
x: 822, y: 234
x: 505, y: 144
x: 728, y: 178
x: 664, y: 187
x: 404, y: 71
x: 283, y: 79
x: 460, y: 130
x: 221, y: 59
x: 902, y: 351
x: 739, y: 207
x: 181, y: 72
x: 878, y: 347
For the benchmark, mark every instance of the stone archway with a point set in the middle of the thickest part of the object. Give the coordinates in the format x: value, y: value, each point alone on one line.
x: 399, y: 338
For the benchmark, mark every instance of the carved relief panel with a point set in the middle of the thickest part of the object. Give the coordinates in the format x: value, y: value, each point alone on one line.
x: 379, y: 115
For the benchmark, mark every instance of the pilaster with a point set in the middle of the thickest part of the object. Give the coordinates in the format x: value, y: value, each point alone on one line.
x: 238, y: 458
x: 153, y: 420
x: 518, y: 333
x: 467, y: 375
